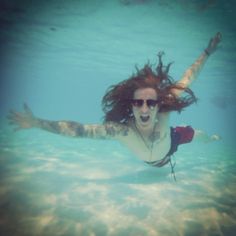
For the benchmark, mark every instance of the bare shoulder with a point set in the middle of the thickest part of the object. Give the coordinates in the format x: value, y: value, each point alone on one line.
x: 116, y: 129
x: 163, y: 118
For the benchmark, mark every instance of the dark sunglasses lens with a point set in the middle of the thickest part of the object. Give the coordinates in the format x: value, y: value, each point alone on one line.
x: 140, y: 102
x: 151, y: 103
x: 137, y: 102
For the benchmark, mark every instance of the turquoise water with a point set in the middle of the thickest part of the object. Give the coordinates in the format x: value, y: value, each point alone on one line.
x: 60, y: 57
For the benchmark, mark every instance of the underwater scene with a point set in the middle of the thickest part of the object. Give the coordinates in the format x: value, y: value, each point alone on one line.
x: 60, y: 57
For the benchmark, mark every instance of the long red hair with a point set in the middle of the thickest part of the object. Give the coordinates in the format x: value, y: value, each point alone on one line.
x: 116, y: 102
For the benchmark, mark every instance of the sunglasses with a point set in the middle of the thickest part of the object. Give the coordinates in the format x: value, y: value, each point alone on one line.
x: 151, y: 103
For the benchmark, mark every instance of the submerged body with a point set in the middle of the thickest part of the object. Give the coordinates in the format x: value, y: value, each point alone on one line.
x: 137, y: 113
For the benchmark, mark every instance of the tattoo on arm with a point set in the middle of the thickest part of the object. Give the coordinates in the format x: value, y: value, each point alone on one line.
x: 69, y: 128
x: 75, y: 129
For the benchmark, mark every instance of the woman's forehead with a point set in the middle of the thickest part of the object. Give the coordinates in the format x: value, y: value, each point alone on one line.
x: 145, y: 93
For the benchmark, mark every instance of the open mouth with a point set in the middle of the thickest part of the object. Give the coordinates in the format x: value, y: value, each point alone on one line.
x: 144, y: 118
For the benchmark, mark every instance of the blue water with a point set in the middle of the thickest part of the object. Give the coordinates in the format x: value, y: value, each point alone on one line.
x: 60, y: 57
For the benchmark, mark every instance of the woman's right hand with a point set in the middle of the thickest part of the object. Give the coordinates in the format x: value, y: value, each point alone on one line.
x: 22, y: 120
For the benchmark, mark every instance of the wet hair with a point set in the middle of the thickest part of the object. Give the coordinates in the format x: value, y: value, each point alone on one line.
x: 116, y: 102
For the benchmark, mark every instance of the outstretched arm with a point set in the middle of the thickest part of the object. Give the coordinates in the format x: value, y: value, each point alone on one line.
x: 26, y: 120
x: 192, y: 72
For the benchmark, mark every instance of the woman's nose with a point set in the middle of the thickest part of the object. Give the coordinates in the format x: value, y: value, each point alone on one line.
x: 144, y: 108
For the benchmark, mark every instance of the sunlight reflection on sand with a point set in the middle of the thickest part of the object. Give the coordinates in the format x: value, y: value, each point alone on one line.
x: 47, y: 189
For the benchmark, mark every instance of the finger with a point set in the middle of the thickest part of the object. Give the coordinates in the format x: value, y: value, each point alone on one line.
x: 219, y: 35
x: 13, y: 113
x: 27, y: 109
x: 14, y: 119
x: 217, y: 38
x: 10, y: 117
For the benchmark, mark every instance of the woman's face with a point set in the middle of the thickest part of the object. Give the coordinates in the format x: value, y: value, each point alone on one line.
x: 145, y: 108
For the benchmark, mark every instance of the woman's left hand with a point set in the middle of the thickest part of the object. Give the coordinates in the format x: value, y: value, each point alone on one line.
x: 213, y: 43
